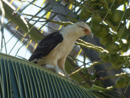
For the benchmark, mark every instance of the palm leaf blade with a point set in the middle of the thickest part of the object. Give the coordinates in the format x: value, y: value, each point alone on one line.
x: 30, y: 81
x: 13, y: 79
x: 25, y: 82
x: 20, y: 81
x: 3, y: 80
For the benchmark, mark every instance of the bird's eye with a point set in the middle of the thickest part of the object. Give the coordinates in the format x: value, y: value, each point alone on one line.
x: 85, y: 30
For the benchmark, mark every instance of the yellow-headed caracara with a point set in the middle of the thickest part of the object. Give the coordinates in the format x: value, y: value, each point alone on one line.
x: 54, y: 48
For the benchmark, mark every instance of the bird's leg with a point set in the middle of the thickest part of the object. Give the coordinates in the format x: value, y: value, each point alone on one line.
x: 63, y: 73
x: 59, y: 71
x: 49, y: 67
x: 61, y: 65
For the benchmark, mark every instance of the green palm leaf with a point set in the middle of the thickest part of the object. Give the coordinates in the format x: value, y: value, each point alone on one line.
x: 22, y: 79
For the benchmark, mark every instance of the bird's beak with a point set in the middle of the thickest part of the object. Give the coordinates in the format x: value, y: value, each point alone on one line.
x: 91, y: 34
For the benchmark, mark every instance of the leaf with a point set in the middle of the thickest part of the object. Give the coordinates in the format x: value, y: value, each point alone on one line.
x: 107, y: 92
x: 2, y: 25
x: 26, y: 79
x: 21, y: 22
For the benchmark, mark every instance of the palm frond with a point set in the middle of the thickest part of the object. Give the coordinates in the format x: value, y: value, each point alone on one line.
x: 22, y: 79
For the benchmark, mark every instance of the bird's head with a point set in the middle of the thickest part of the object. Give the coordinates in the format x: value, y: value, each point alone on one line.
x: 82, y: 28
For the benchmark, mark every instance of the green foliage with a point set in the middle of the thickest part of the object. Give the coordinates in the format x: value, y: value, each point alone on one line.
x: 121, y: 82
x: 103, y: 32
x: 11, y: 13
x: 106, y: 39
x: 106, y: 92
x: 109, y: 24
x: 112, y: 47
x: 104, y: 56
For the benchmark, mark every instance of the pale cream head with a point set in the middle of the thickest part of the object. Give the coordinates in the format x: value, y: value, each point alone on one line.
x: 77, y: 30
x: 83, y: 28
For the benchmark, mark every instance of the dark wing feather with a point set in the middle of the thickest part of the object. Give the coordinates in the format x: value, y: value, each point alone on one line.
x: 46, y: 45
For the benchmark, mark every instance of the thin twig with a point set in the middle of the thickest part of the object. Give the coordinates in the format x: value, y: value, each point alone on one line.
x: 87, y: 63
x: 93, y: 64
x: 44, y: 9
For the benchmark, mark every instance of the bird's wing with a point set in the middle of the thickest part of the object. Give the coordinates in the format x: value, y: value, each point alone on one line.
x: 46, y: 45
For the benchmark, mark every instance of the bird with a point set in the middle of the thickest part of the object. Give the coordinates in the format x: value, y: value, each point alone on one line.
x: 53, y: 49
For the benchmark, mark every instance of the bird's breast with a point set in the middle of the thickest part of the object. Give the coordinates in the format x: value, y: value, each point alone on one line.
x: 60, y: 51
x: 65, y: 48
